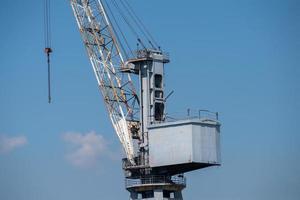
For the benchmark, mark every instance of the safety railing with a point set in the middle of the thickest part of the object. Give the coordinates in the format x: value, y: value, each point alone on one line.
x: 144, y: 53
x: 127, y: 164
x: 152, y: 180
x: 192, y: 114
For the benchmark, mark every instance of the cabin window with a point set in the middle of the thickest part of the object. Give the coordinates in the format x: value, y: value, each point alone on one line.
x: 158, y: 80
x: 159, y: 94
x: 159, y: 111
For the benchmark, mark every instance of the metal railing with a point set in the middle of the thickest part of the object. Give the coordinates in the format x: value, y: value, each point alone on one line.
x: 192, y: 114
x: 127, y: 164
x: 144, y: 53
x: 152, y: 180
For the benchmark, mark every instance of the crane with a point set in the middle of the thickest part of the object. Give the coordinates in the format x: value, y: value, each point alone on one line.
x: 158, y: 151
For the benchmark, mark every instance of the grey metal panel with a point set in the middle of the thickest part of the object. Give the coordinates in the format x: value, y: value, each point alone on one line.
x: 170, y: 145
x: 206, y: 144
x: 185, y: 141
x: 158, y: 68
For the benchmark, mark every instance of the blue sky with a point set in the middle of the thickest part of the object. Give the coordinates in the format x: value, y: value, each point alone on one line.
x: 238, y: 57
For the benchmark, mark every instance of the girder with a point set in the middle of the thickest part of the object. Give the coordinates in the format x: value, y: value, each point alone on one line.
x: 106, y: 58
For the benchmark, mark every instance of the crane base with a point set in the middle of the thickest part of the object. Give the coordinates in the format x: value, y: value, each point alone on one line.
x: 156, y: 187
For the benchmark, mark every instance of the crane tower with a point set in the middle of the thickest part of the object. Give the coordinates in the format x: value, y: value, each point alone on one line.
x: 159, y: 149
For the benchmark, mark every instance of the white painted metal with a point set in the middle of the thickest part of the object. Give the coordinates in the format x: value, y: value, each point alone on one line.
x: 105, y: 56
x: 184, y: 142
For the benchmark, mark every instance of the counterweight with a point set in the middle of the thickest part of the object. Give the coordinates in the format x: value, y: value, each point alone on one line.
x: 106, y: 58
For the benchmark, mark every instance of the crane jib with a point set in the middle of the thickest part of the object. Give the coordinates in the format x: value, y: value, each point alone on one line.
x: 105, y: 56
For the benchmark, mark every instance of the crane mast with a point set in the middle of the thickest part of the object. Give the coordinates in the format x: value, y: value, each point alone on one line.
x: 117, y: 88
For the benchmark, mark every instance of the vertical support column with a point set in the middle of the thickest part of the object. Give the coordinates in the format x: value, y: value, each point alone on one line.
x: 145, y: 67
x: 178, y: 195
x: 133, y: 195
x: 158, y: 194
x: 149, y: 65
x: 151, y: 74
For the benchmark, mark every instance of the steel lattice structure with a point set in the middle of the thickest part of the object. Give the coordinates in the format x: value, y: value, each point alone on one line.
x: 106, y: 58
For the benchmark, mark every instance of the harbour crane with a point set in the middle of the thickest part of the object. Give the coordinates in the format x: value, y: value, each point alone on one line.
x: 158, y: 151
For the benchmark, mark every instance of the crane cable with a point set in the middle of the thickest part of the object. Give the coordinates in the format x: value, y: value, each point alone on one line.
x: 127, y: 21
x: 135, y: 21
x: 47, y: 37
x: 139, y: 23
x: 122, y: 34
x: 127, y: 14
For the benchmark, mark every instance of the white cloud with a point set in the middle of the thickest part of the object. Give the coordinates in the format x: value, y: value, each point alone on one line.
x: 85, y: 149
x: 8, y: 144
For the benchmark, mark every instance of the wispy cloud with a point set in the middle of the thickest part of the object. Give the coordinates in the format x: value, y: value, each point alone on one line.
x: 8, y: 144
x: 85, y: 149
